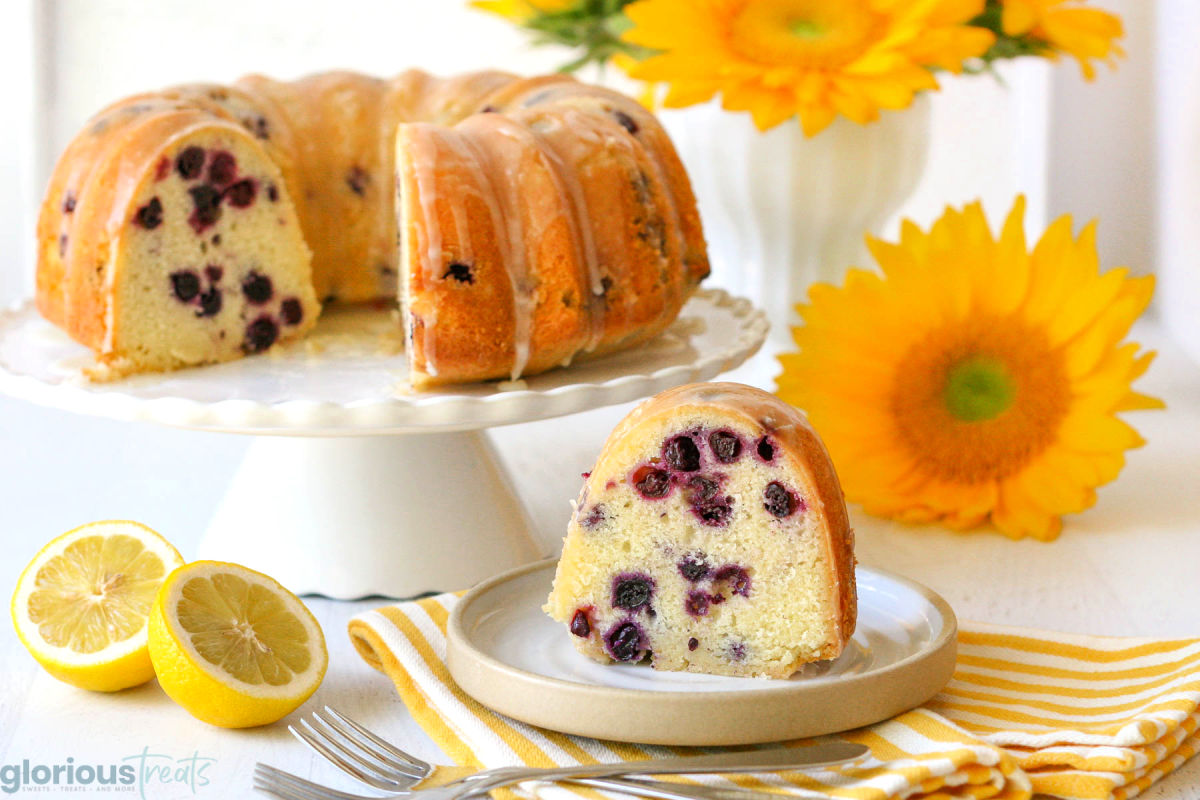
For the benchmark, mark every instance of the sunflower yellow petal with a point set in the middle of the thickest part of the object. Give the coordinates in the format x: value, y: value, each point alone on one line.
x: 962, y: 500
x: 1136, y: 401
x: 682, y: 94
x: 1017, y: 17
x: 1004, y: 283
x: 1110, y: 325
x: 1085, y: 34
x: 1093, y: 433
x: 951, y: 11
x: 1017, y: 517
x: 863, y: 56
x: 1105, y: 389
x: 1086, y: 469
x: 1084, y: 306
x: 1052, y: 491
x: 962, y: 522
x: 1053, y: 278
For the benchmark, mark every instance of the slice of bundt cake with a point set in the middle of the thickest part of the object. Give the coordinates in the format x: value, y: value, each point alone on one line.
x: 711, y: 536
x: 178, y: 244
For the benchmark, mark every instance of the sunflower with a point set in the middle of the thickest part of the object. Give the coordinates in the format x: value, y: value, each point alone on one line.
x: 1066, y: 26
x: 809, y: 58
x: 520, y: 10
x: 974, y: 380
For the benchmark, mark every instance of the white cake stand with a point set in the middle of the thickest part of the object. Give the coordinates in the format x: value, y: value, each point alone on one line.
x: 335, y: 495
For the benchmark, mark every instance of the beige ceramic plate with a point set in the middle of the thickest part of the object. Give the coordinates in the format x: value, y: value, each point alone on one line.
x: 503, y: 651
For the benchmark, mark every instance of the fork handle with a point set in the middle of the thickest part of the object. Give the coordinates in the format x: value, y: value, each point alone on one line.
x: 688, y: 791
x: 771, y: 760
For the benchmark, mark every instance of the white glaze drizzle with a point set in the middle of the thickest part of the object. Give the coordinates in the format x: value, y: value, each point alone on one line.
x: 422, y: 156
x: 579, y: 240
x: 521, y: 268
x: 500, y: 187
x: 580, y: 235
x: 566, y: 167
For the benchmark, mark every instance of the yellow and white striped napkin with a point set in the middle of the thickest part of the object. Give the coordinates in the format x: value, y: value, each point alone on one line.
x: 1027, y: 711
x: 1085, y: 716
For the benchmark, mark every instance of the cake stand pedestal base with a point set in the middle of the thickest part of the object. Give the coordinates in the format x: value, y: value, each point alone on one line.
x: 354, y: 516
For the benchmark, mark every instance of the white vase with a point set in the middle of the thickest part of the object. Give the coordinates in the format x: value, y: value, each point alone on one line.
x: 782, y: 210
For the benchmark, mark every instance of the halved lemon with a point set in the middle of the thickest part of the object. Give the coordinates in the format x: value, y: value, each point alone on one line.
x: 80, y: 606
x: 232, y: 646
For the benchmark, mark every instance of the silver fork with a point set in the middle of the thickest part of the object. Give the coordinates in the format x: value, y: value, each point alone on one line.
x: 292, y: 787
x: 374, y: 761
x: 393, y: 769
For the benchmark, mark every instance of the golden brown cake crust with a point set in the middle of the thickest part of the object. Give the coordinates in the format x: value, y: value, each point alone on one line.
x: 610, y: 241
x: 616, y: 245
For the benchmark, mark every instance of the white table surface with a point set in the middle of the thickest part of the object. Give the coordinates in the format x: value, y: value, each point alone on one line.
x: 1127, y: 567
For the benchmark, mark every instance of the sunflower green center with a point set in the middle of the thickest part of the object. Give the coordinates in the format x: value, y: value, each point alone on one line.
x: 979, y: 389
x: 978, y: 400
x: 806, y: 29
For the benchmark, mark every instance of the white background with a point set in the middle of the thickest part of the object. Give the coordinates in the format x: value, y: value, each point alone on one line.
x: 1120, y: 149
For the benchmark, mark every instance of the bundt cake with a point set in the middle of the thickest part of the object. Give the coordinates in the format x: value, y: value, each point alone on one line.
x: 518, y: 223
x: 711, y: 536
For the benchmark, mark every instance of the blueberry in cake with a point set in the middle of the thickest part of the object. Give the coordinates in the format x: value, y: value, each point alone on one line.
x: 711, y: 536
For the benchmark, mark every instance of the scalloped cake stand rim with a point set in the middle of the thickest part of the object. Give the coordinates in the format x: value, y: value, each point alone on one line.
x: 548, y: 395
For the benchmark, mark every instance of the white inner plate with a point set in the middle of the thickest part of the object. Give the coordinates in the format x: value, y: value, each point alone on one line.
x: 507, y: 654
x: 350, y: 376
x: 894, y: 622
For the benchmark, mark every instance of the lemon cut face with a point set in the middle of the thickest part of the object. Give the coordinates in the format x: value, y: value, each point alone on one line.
x: 244, y: 629
x: 81, y: 605
x: 233, y: 646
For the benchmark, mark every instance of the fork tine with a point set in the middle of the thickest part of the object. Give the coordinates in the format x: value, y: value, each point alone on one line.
x: 350, y: 763
x: 283, y: 784
x: 283, y: 791
x: 339, y: 721
x: 364, y: 755
x: 275, y: 791
x: 293, y: 787
x: 335, y: 732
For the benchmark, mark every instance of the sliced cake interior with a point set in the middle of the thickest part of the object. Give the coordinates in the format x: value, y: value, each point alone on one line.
x: 711, y: 536
x: 209, y: 262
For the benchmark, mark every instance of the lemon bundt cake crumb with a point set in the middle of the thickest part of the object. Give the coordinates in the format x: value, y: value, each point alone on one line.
x: 711, y: 536
x: 180, y: 245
